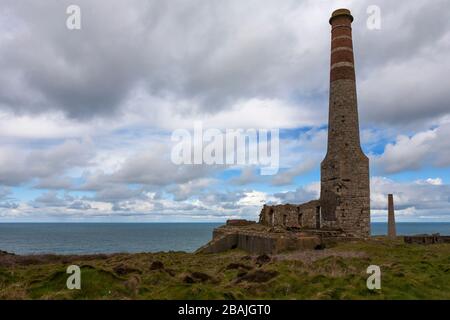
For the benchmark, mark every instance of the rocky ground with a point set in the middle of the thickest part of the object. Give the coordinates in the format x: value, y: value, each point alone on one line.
x: 338, y: 272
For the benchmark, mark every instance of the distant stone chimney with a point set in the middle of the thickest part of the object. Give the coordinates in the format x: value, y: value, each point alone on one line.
x: 392, y: 232
x: 345, y: 194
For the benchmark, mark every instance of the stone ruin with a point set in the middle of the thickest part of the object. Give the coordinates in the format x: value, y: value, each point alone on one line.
x: 343, y: 209
x: 426, y: 239
x: 392, y: 231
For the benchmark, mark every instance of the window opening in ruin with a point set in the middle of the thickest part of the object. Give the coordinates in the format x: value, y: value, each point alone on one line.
x: 318, y: 216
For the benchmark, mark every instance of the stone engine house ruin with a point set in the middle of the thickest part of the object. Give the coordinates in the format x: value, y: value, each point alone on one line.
x: 344, y: 202
x: 343, y: 209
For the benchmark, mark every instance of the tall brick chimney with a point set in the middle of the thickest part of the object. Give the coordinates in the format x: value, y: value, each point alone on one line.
x: 345, y: 194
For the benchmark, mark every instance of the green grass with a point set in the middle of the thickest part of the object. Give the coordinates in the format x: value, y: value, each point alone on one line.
x: 407, y: 272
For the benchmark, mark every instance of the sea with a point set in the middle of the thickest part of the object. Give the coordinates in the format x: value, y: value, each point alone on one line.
x: 90, y: 238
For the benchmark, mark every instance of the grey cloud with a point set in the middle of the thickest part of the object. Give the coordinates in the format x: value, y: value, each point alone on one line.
x: 9, y: 205
x: 211, y: 53
x: 300, y: 195
x: 216, y: 53
x: 150, y: 168
x: 400, y: 66
x: 116, y: 193
x: 5, y: 199
x: 247, y: 176
x: 4, y: 192
x: 191, y: 188
x: 54, y: 182
x: 83, y: 74
x: 287, y: 177
x: 119, y: 207
x: 79, y: 205
x: 49, y: 199
x: 19, y: 166
x: 226, y: 200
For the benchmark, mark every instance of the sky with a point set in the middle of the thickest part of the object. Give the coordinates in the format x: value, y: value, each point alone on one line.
x: 87, y: 115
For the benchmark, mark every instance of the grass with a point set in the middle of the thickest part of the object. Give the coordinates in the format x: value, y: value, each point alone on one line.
x: 339, y: 272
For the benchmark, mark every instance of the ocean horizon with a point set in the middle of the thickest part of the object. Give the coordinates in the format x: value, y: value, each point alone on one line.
x: 92, y: 238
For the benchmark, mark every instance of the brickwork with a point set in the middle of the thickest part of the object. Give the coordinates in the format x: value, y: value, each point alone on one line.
x: 345, y: 189
x: 290, y: 215
x: 343, y: 210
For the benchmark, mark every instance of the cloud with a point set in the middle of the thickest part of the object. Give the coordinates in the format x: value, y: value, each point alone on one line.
x: 49, y: 199
x: 253, y: 198
x: 6, y: 199
x: 9, y: 205
x: 4, y: 192
x: 287, y: 177
x: 54, y: 182
x: 182, y: 49
x: 80, y: 205
x: 244, y: 58
x: 430, y: 147
x: 300, y: 195
x: 246, y: 176
x: 152, y: 167
x: 226, y: 200
x: 86, y: 116
x: 18, y: 166
x: 185, y: 190
x: 417, y: 77
x: 399, y: 67
x: 118, y: 192
x: 432, y: 181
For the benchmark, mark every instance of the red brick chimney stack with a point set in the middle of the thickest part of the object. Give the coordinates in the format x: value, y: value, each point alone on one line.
x: 345, y: 190
x: 342, y: 61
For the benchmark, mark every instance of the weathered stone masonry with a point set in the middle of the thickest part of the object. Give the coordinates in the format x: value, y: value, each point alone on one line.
x: 301, y: 216
x: 344, y: 202
x: 343, y: 209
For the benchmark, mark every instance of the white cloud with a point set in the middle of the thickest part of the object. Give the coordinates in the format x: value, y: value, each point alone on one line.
x: 430, y: 147
x: 287, y: 177
x: 19, y: 166
x: 432, y: 181
x: 184, y: 191
x: 300, y: 195
x: 253, y: 198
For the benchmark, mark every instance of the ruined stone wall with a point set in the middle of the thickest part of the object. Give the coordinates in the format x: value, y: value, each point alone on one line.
x: 239, y: 222
x: 289, y: 215
x: 309, y: 214
x: 345, y: 191
x: 257, y: 243
x: 426, y: 239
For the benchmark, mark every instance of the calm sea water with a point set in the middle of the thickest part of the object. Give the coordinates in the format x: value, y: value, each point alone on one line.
x: 83, y: 238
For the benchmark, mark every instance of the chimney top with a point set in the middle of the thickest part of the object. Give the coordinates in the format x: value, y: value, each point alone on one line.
x: 341, y: 12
